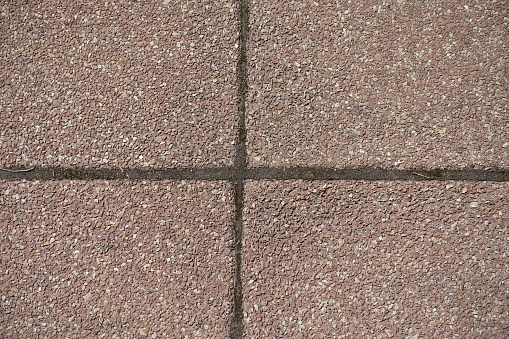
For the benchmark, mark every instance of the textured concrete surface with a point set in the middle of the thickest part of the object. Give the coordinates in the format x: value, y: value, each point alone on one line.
x: 115, y: 259
x: 117, y: 89
x: 376, y: 260
x: 118, y: 83
x: 396, y: 84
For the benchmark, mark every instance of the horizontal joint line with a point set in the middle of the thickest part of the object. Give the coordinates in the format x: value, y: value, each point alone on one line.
x: 261, y: 173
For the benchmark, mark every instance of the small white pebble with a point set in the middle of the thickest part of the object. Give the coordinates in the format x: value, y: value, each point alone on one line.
x: 474, y: 204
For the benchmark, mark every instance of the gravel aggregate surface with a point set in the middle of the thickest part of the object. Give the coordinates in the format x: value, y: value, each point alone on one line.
x: 115, y: 259
x: 376, y: 260
x: 155, y: 89
x: 118, y: 83
x: 395, y: 84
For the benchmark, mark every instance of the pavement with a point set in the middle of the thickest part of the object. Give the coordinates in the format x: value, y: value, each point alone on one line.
x: 254, y: 169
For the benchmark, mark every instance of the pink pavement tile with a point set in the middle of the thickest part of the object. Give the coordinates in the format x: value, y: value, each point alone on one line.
x: 115, y: 259
x: 394, y: 84
x: 118, y: 83
x: 376, y: 260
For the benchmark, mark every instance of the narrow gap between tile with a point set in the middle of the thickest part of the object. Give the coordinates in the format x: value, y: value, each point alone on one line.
x: 239, y: 171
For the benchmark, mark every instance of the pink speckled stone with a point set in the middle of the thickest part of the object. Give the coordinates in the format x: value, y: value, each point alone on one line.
x: 376, y: 260
x: 118, y: 83
x: 394, y: 84
x: 115, y: 259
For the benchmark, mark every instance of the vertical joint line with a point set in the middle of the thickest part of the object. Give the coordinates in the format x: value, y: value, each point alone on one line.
x: 239, y: 171
x: 237, y: 320
x: 240, y: 151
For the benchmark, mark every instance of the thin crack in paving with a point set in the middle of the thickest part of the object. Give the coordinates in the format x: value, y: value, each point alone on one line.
x: 61, y: 173
x: 238, y: 174
x: 371, y: 174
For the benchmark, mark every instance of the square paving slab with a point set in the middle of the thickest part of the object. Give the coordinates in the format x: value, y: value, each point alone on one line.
x: 115, y: 259
x: 118, y: 83
x: 376, y: 260
x: 395, y: 84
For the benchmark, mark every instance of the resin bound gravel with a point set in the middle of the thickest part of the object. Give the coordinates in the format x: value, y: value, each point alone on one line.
x: 376, y: 260
x: 115, y: 259
x: 118, y: 83
x: 396, y: 84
